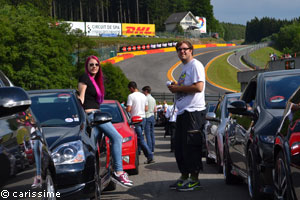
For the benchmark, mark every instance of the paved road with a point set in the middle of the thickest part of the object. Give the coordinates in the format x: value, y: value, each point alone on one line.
x: 153, y: 180
x: 235, y: 59
x: 152, y: 69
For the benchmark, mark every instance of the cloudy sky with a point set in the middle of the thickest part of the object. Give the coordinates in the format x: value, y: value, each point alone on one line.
x: 241, y: 11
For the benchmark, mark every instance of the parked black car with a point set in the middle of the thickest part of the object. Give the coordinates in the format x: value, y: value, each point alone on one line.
x: 254, y: 122
x: 215, y: 130
x: 71, y: 164
x: 16, y: 123
x: 287, y: 152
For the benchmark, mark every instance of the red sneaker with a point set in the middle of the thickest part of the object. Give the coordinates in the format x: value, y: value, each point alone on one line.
x: 122, y: 179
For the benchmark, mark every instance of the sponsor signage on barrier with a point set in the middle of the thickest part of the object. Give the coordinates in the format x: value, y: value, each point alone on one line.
x: 201, y: 24
x: 76, y: 25
x: 138, y: 29
x: 147, y: 46
x: 99, y: 29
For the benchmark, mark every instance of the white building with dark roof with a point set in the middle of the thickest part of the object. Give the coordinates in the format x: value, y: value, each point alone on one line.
x: 186, y: 19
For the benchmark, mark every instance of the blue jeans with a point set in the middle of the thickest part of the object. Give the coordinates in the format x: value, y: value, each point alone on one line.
x: 37, y: 156
x: 116, y: 142
x: 149, y: 132
x: 139, y: 129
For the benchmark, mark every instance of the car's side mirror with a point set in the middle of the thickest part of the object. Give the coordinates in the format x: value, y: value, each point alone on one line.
x: 136, y: 120
x: 211, y: 116
x: 13, y: 100
x: 100, y: 118
x: 237, y: 107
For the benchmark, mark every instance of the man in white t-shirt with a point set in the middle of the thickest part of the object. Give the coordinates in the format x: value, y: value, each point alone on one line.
x: 190, y: 102
x: 137, y: 104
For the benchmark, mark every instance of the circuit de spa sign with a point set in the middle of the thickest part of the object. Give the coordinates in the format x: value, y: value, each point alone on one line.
x: 101, y: 29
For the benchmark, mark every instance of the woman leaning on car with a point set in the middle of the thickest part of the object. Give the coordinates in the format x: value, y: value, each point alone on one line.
x: 91, y: 93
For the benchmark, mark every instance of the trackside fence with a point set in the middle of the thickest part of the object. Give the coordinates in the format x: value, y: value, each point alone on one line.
x: 169, y: 97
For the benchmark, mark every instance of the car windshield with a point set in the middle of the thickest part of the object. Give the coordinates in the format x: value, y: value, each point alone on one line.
x: 114, y: 110
x: 279, y: 89
x: 55, y: 109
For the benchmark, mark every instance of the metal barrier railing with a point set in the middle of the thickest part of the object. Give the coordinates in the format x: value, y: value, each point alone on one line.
x: 160, y: 97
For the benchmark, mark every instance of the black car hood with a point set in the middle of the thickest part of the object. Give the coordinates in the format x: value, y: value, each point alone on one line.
x: 55, y: 136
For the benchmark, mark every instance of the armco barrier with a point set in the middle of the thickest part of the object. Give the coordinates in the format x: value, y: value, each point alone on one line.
x: 145, y: 49
x: 147, y: 46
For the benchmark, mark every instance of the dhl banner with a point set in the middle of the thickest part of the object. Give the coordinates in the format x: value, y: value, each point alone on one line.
x: 138, y: 29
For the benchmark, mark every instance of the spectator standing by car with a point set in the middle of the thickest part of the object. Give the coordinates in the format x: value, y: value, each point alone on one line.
x: 171, y: 115
x: 137, y: 104
x: 190, y: 101
x: 91, y: 94
x: 28, y: 120
x: 150, y: 118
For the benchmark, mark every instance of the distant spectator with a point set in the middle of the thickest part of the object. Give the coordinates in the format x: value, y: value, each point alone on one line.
x: 150, y: 118
x: 123, y: 104
x: 171, y: 115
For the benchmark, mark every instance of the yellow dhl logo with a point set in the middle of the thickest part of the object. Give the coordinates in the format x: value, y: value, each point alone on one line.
x: 137, y: 30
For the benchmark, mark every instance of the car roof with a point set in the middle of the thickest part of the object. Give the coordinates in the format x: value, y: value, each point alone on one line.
x: 233, y: 94
x: 280, y: 72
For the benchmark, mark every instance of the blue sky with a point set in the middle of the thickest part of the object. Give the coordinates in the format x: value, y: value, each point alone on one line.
x: 241, y: 11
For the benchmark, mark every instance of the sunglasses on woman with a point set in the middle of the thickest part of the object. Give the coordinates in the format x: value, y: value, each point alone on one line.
x: 92, y: 64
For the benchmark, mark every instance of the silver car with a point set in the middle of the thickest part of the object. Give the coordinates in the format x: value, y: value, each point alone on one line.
x: 215, y: 130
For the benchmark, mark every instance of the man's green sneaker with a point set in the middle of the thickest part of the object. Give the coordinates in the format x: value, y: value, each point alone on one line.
x: 189, y: 186
x: 177, y: 184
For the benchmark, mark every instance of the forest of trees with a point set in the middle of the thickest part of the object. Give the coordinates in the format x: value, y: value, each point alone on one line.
x: 285, y: 34
x: 123, y: 11
x: 257, y: 29
x: 232, y: 31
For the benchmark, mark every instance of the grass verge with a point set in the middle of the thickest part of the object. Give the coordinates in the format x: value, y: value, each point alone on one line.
x: 262, y: 55
x: 223, y: 74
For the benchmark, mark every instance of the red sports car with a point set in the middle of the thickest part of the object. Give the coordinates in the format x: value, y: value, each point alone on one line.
x: 124, y: 125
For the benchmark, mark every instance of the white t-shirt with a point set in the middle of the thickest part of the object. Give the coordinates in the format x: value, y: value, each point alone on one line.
x: 137, y: 101
x: 171, y: 113
x: 192, y: 72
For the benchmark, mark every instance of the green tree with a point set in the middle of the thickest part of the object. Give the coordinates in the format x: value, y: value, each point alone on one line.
x: 34, y: 52
x: 288, y: 38
x: 233, y: 31
x: 115, y: 82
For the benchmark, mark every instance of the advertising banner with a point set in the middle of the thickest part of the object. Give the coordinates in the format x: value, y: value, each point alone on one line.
x: 201, y: 24
x: 138, y: 29
x: 103, y: 29
x: 76, y: 25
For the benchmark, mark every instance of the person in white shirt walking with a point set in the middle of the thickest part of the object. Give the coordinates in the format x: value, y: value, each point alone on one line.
x: 137, y: 104
x: 150, y: 118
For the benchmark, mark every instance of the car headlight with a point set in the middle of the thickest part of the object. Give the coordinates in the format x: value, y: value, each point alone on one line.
x: 68, y: 153
x: 267, y: 139
x: 126, y: 139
